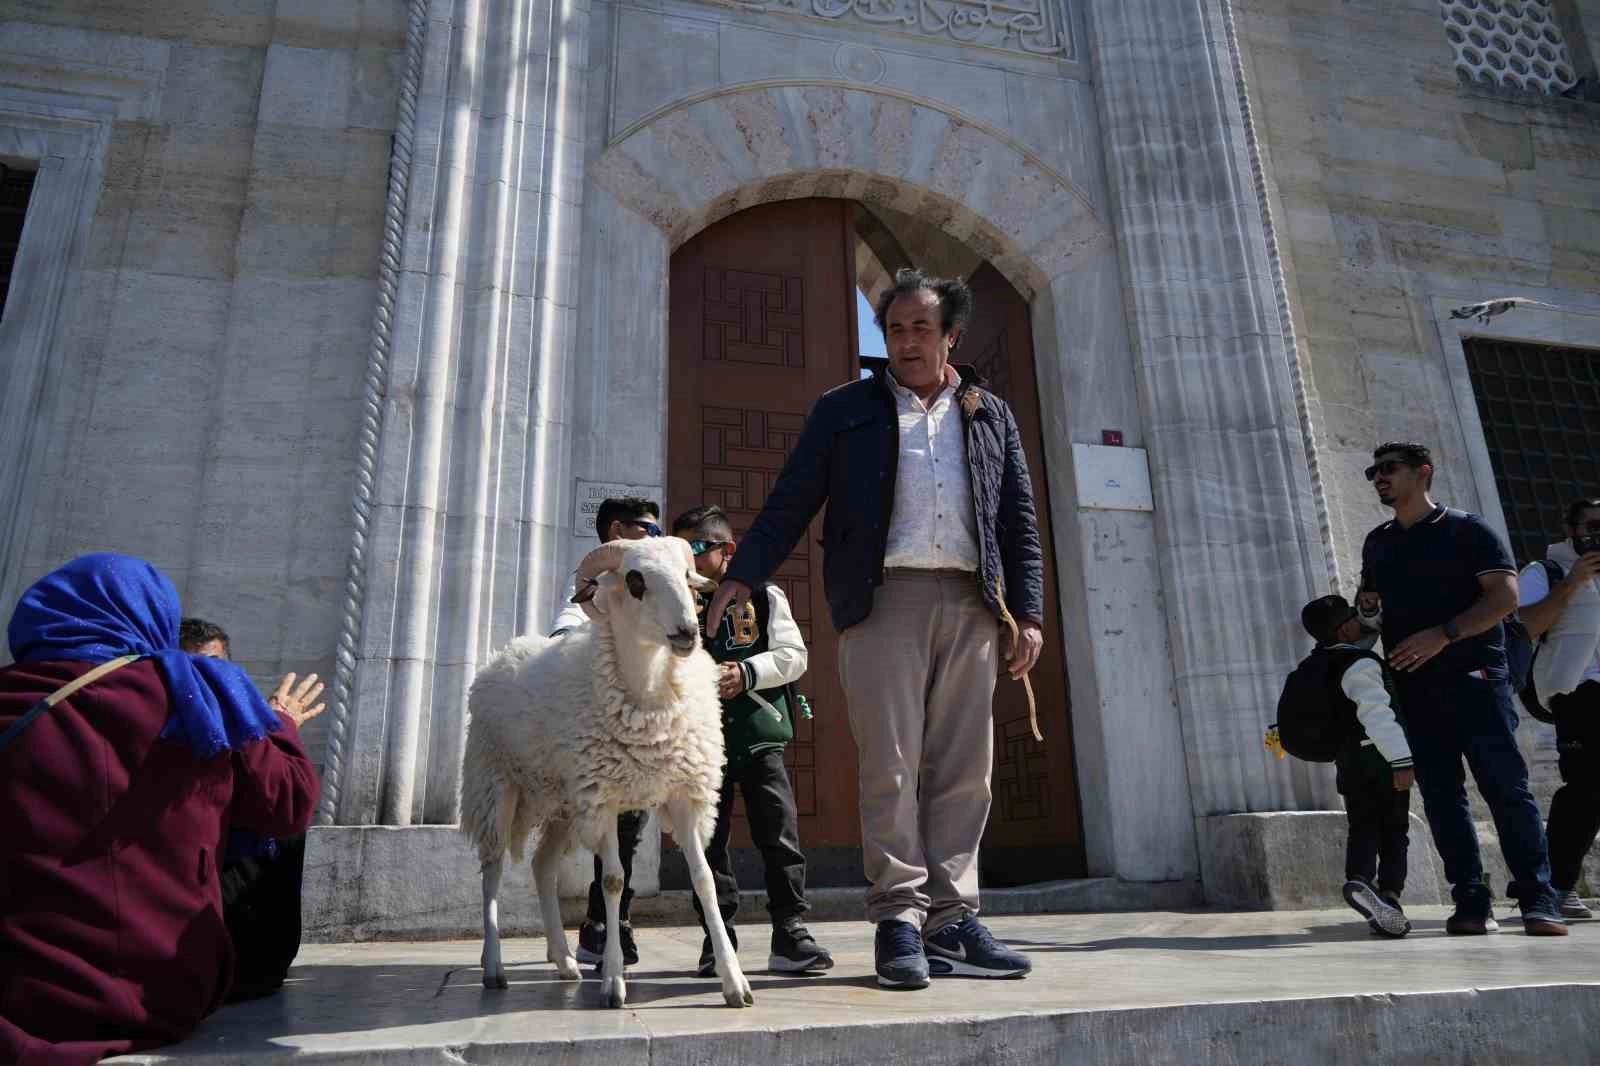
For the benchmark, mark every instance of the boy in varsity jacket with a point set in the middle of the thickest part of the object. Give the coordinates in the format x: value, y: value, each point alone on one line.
x: 760, y: 653
x: 1374, y: 769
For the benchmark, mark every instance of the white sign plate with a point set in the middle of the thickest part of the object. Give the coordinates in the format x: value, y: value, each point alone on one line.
x: 591, y: 494
x: 1112, y: 479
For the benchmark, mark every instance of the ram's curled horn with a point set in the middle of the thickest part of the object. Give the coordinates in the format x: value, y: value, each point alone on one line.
x: 602, y: 560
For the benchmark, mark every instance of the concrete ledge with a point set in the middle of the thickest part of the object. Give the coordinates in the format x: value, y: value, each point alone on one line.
x: 1294, y: 860
x: 1147, y: 989
x: 421, y: 883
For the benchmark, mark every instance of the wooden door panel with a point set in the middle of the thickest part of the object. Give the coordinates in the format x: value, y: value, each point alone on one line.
x: 761, y: 325
x: 1035, y: 829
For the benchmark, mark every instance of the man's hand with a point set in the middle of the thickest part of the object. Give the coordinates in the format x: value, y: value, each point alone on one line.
x: 1418, y: 648
x: 1021, y: 656
x: 292, y: 701
x: 733, y: 594
x: 1404, y: 779
x: 730, y: 680
x: 1587, y: 567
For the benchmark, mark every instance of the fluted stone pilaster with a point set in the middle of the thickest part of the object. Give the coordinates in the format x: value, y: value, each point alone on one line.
x: 469, y: 466
x: 1239, y: 533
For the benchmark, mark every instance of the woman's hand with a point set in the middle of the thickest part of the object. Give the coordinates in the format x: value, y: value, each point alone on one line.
x: 292, y: 701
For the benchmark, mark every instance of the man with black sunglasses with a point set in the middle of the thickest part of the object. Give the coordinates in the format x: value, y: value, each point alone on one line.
x: 1446, y: 580
x: 1560, y: 605
x: 619, y: 518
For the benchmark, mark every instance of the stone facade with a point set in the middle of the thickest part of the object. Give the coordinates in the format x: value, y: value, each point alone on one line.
x: 1400, y: 194
x: 412, y: 255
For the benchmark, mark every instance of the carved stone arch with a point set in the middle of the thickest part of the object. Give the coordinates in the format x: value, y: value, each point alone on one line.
x: 707, y: 158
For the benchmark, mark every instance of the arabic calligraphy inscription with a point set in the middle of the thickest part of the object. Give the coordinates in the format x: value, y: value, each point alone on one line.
x: 1037, y: 27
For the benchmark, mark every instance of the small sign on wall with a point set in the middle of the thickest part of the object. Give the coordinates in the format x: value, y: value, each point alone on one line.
x: 591, y: 494
x: 1112, y: 479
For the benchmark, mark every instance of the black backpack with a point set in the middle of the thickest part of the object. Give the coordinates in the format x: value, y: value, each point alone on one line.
x: 1522, y: 649
x: 1316, y: 720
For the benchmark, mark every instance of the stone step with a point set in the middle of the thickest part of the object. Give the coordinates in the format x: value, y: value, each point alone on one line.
x: 1152, y: 989
x: 1077, y: 896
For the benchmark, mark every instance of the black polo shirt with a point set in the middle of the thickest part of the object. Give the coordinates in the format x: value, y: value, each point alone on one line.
x: 1428, y: 574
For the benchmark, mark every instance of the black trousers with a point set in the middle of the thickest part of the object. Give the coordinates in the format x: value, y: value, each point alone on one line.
x: 1380, y: 821
x: 629, y: 825
x: 774, y: 829
x: 1575, y: 808
x: 261, y: 906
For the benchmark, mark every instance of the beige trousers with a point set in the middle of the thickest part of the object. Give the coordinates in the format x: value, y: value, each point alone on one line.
x: 919, y: 679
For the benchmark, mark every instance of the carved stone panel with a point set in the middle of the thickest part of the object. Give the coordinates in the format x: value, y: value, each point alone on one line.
x: 1034, y: 27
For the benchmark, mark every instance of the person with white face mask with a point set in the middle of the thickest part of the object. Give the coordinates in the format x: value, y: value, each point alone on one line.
x: 1374, y: 769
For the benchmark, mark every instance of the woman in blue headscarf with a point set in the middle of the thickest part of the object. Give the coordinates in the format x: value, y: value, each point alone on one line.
x: 123, y: 763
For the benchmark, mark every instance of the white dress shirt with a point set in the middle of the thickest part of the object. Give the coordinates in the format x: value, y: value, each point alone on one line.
x: 569, y: 615
x: 934, y: 525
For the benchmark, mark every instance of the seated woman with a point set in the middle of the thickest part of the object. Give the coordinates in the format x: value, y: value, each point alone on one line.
x: 117, y: 796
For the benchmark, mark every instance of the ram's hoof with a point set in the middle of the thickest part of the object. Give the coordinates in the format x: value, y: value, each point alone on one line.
x: 494, y: 980
x: 616, y: 992
x: 568, y: 969
x: 739, y: 995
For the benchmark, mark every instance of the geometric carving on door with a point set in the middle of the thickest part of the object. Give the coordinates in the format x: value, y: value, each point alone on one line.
x: 742, y: 451
x: 1021, y: 773
x: 753, y: 318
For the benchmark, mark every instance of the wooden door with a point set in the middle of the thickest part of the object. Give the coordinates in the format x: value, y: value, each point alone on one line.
x: 1035, y: 831
x: 762, y: 323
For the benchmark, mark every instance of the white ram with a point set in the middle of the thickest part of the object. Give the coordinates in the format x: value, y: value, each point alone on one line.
x: 565, y: 733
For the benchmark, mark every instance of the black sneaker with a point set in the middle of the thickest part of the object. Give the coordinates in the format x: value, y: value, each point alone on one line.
x: 898, y: 956
x: 707, y: 967
x: 795, y: 950
x: 1382, y: 917
x: 1471, y: 921
x: 1543, y: 917
x: 968, y: 949
x: 592, y: 944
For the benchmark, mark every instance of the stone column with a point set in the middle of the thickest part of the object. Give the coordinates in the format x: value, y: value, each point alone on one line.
x: 463, y: 466
x: 1242, y: 531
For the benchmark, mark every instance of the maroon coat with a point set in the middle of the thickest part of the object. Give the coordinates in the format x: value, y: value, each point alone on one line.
x: 111, y: 929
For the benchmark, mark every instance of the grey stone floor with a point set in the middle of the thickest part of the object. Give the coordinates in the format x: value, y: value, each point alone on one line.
x: 1268, y: 987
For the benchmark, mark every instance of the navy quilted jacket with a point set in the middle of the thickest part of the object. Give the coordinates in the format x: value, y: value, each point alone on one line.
x: 846, y: 457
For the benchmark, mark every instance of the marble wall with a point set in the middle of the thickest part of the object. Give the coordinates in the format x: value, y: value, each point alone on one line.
x: 1400, y: 193
x: 200, y: 403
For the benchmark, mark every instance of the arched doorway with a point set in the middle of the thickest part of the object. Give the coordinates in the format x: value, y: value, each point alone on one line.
x: 762, y: 320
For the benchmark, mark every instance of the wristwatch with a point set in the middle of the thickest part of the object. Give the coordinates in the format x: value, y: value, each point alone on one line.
x: 1451, y: 633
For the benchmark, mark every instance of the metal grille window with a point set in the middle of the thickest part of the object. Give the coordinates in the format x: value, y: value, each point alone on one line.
x: 1540, y: 408
x: 15, y: 188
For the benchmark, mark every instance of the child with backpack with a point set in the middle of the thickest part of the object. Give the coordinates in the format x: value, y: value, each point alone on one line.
x: 1337, y: 707
x: 760, y: 654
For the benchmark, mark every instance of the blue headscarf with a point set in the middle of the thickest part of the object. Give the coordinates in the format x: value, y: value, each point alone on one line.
x: 102, y: 606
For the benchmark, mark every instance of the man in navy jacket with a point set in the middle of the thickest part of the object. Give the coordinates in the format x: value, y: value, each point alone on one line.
x: 931, y: 546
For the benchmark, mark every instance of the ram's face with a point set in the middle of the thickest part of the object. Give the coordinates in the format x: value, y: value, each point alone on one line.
x: 657, y: 585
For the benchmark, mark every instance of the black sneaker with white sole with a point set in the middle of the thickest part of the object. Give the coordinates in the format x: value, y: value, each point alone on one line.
x: 795, y: 950
x: 898, y: 956
x: 968, y: 949
x: 592, y: 944
x: 1384, y: 918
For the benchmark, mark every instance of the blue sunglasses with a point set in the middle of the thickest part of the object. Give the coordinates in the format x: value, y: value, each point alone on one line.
x: 650, y: 528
